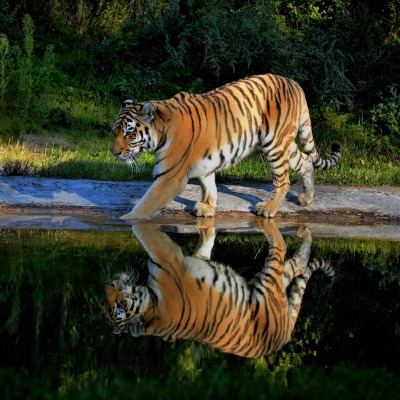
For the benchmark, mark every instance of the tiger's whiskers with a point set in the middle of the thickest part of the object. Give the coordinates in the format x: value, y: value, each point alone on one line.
x: 129, y: 277
x: 137, y: 166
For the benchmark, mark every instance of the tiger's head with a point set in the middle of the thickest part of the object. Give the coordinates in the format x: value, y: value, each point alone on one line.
x: 133, y: 131
x: 125, y: 303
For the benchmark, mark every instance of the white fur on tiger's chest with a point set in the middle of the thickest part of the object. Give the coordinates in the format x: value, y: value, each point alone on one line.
x: 205, y: 166
x: 215, y: 275
x: 218, y: 160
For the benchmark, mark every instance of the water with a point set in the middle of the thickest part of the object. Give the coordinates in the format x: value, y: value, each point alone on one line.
x: 55, y: 339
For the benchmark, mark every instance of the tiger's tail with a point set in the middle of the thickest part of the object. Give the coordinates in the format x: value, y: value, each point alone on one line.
x: 326, y: 163
x: 307, y: 141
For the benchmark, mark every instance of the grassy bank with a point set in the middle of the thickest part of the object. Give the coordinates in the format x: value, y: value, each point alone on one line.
x: 80, y: 150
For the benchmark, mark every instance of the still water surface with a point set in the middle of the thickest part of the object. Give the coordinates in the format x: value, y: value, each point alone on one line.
x: 263, y: 301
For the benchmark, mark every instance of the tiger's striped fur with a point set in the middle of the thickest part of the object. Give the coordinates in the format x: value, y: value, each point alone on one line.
x: 194, y: 136
x: 197, y: 299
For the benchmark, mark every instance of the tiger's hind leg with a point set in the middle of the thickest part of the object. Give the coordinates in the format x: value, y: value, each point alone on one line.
x: 208, y: 203
x: 280, y: 174
x: 296, y: 296
x: 300, y: 283
x: 302, y: 164
x: 297, y: 264
x: 296, y: 273
x: 273, y: 266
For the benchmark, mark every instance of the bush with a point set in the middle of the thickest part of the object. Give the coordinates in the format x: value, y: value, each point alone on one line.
x: 23, y: 76
x: 386, y: 115
x: 342, y: 52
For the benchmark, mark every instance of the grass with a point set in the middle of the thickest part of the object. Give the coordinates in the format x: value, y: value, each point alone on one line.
x: 84, y: 160
x: 75, y: 143
x: 343, y: 381
x: 90, y: 159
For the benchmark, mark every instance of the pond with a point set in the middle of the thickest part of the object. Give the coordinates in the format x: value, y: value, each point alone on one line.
x: 268, y: 310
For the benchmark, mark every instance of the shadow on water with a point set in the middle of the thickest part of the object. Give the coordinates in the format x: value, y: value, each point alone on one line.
x: 307, y: 315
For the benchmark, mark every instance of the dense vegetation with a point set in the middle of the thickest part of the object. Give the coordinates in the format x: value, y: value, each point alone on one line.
x: 65, y: 66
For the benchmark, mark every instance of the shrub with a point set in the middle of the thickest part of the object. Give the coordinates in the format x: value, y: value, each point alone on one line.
x: 4, y: 50
x: 386, y: 115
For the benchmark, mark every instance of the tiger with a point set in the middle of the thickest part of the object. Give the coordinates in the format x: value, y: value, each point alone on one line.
x: 194, y: 298
x: 196, y: 135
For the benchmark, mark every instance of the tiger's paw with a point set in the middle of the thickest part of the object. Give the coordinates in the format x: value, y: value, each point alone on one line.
x: 131, y: 216
x: 202, y: 223
x: 304, y: 233
x: 266, y: 209
x: 203, y: 210
x: 305, y: 199
x: 265, y: 224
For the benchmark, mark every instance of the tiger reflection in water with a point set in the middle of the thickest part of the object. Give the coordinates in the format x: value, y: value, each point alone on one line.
x: 198, y: 299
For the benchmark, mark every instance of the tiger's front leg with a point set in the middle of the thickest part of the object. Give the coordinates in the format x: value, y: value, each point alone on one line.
x: 206, y: 239
x: 208, y: 203
x: 160, y: 193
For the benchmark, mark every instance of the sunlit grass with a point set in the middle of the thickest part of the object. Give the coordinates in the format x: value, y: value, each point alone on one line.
x: 374, y: 172
x: 80, y: 149
x: 85, y: 158
x: 88, y: 160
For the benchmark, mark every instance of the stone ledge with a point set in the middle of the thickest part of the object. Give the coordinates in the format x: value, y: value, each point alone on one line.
x: 27, y: 195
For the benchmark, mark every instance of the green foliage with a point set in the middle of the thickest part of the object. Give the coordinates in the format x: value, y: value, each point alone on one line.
x: 23, y: 77
x: 334, y: 48
x: 4, y: 50
x: 25, y: 81
x: 386, y: 115
x: 224, y: 54
x: 66, y: 66
x: 346, y: 381
x: 21, y: 385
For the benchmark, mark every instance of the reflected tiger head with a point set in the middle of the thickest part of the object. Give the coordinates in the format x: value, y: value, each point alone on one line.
x: 125, y: 303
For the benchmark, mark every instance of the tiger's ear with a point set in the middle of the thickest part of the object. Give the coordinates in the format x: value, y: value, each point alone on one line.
x: 136, y: 327
x: 127, y: 102
x: 147, y: 113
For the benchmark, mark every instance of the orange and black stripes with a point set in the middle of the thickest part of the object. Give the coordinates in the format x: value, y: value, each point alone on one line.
x: 196, y: 299
x: 196, y: 135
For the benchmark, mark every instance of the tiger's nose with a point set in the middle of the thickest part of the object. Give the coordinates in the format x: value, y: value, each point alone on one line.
x: 114, y: 152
